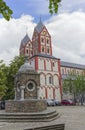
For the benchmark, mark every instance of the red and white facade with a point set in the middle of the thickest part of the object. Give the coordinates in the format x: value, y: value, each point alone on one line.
x: 44, y: 63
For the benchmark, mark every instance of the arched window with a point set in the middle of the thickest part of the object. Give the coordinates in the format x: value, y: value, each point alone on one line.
x: 48, y: 50
x: 26, y: 51
x: 47, y: 41
x: 42, y: 40
x: 50, y: 80
x: 42, y: 49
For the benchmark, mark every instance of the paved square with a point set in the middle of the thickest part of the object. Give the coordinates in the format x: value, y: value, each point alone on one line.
x: 72, y: 116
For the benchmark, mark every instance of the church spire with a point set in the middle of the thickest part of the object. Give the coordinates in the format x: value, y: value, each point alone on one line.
x: 39, y: 26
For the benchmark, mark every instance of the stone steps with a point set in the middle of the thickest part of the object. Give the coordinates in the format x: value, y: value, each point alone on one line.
x: 50, y: 127
x: 29, y: 117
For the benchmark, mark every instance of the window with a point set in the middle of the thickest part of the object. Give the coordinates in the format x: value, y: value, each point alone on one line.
x: 42, y: 40
x: 62, y: 71
x: 68, y: 71
x: 50, y: 80
x: 26, y: 51
x: 43, y: 49
x: 30, y: 86
x: 53, y: 64
x: 47, y: 41
x: 48, y: 50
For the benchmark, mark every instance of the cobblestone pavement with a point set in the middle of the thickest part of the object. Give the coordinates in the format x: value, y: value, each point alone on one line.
x: 72, y: 116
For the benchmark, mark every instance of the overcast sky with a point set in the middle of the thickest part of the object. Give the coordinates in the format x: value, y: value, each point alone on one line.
x: 67, y: 28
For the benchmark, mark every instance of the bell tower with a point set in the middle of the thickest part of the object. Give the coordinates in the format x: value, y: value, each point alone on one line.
x: 26, y: 46
x: 41, y: 40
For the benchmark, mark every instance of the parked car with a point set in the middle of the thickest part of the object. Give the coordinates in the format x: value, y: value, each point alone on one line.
x: 2, y: 105
x: 67, y: 102
x: 50, y: 102
x: 56, y: 102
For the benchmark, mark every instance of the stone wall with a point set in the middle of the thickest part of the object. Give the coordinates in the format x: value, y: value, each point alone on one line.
x: 33, y: 105
x: 24, y: 79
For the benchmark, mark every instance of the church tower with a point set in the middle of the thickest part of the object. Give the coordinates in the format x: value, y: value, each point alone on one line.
x: 41, y: 40
x: 39, y: 53
x: 26, y: 46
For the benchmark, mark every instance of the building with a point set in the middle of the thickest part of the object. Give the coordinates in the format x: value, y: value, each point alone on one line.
x: 39, y: 51
x: 67, y: 68
x: 69, y: 71
x: 52, y: 71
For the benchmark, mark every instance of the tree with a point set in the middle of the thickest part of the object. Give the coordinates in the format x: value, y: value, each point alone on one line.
x: 12, y: 69
x: 75, y: 84
x: 53, y: 6
x: 7, y: 12
x: 79, y: 84
x: 3, y: 80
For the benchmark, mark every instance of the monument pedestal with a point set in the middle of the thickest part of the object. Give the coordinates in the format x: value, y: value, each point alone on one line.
x: 26, y: 106
x: 29, y: 105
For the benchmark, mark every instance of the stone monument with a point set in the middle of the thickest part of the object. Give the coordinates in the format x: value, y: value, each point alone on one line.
x: 27, y: 82
x: 26, y: 107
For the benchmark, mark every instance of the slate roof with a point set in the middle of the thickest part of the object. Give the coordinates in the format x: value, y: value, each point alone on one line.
x: 26, y: 67
x: 39, y: 27
x: 47, y: 56
x: 72, y: 65
x: 25, y: 40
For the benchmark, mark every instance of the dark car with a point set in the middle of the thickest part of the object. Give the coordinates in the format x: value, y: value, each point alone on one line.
x: 67, y: 102
x: 2, y: 105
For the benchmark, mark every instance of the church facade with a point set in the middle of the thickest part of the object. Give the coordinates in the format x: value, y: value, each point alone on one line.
x: 39, y: 52
x: 52, y: 71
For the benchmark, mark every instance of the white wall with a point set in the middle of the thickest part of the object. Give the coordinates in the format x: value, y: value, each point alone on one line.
x: 50, y: 93
x: 48, y: 65
x: 57, y: 94
x: 55, y: 80
x: 42, y: 79
x: 41, y: 93
x: 55, y: 67
x: 41, y: 64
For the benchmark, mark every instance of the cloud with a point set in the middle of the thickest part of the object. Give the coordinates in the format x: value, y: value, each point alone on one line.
x: 68, y: 36
x: 11, y: 34
x: 73, y: 5
x: 67, y: 31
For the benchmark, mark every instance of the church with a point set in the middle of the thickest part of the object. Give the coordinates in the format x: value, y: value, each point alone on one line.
x: 39, y: 52
x: 52, y: 70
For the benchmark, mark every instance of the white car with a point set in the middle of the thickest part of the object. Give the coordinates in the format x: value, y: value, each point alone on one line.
x: 56, y: 102
x: 50, y: 102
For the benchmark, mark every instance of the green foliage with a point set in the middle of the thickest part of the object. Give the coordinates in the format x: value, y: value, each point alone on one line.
x: 3, y: 80
x: 5, y: 10
x: 10, y: 74
x: 53, y: 6
x: 7, y: 74
x: 74, y: 84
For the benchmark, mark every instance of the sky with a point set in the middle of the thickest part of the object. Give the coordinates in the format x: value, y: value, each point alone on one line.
x: 67, y: 28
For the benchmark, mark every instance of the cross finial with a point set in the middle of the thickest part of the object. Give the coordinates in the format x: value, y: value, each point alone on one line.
x: 40, y: 18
